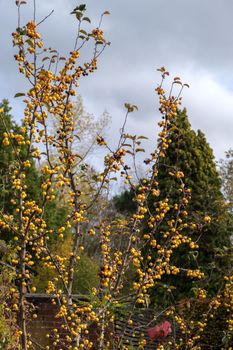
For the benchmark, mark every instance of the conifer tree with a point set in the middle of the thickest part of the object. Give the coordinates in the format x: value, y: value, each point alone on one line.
x: 8, y: 156
x: 191, y: 154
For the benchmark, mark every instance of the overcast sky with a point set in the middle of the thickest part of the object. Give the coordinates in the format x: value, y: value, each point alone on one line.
x: 191, y: 38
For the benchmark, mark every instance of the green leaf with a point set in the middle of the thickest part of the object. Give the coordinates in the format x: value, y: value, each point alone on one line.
x: 78, y: 156
x: 21, y: 31
x: 82, y: 7
x: 142, y: 137
x: 113, y: 178
x: 30, y: 42
x: 162, y: 69
x: 126, y: 145
x: 83, y: 31
x: 45, y: 58
x: 78, y: 15
x: 86, y: 19
x: 19, y: 94
x: 127, y: 136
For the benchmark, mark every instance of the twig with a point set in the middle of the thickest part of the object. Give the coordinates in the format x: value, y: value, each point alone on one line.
x: 44, y: 19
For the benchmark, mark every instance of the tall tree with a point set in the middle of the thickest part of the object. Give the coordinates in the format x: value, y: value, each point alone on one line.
x: 54, y: 212
x: 8, y: 156
x: 190, y: 156
x: 226, y: 173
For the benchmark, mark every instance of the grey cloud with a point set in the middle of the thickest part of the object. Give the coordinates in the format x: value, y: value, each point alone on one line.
x: 192, y: 39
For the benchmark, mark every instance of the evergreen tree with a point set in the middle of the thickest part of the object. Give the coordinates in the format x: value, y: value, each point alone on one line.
x: 7, y: 159
x: 6, y: 156
x: 54, y: 212
x: 190, y: 153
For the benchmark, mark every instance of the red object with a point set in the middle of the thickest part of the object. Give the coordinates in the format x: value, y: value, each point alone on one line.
x: 160, y: 331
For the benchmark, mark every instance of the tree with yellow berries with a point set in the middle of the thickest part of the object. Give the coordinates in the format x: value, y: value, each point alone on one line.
x: 54, y: 81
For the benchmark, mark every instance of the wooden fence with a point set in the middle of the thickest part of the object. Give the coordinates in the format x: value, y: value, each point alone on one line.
x: 46, y: 321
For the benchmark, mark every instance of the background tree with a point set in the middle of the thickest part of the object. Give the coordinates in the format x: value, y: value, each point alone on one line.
x: 190, y: 156
x: 54, y: 211
x: 86, y: 129
x: 226, y: 173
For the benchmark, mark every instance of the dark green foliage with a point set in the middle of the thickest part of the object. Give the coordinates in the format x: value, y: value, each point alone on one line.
x: 124, y: 202
x: 7, y: 160
x: 190, y: 153
x: 86, y: 275
x: 6, y: 157
x: 54, y: 213
x: 216, y: 332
